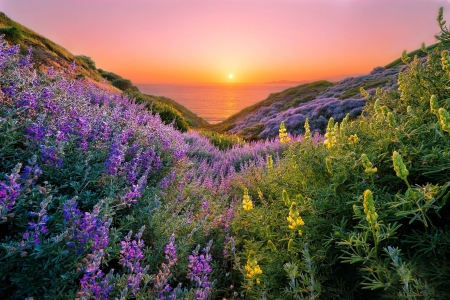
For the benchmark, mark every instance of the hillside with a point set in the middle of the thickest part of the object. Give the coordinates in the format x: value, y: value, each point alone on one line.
x: 99, y: 199
x: 46, y: 54
x: 317, y: 101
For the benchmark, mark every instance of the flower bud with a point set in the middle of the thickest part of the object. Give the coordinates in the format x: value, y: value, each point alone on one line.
x: 444, y: 119
x: 399, y: 166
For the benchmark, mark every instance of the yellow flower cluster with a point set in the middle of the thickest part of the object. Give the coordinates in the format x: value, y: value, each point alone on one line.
x: 445, y: 59
x: 368, y: 165
x: 252, y: 268
x: 353, y: 139
x: 283, y: 134
x: 269, y: 163
x: 399, y: 166
x: 330, y: 134
x: 247, y: 204
x: 307, y: 135
x: 434, y: 104
x: 444, y: 119
x: 369, y: 209
x: 294, y: 218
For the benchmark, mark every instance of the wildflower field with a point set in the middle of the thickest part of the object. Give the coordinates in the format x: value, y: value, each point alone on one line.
x: 99, y: 199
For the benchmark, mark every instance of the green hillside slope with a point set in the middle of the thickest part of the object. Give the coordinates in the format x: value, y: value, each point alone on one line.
x: 46, y: 53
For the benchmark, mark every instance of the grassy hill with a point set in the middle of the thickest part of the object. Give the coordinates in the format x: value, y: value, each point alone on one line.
x: 46, y: 54
x: 317, y: 101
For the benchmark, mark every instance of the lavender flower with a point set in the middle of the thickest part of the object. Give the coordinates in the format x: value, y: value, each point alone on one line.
x: 39, y: 228
x: 94, y: 282
x: 10, y: 190
x: 199, y: 270
x: 132, y: 257
x: 161, y: 286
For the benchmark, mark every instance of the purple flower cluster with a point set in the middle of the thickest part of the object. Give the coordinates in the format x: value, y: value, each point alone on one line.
x: 161, y: 286
x: 10, y: 190
x: 94, y: 283
x: 132, y: 257
x: 38, y: 228
x: 87, y: 228
x: 199, y: 270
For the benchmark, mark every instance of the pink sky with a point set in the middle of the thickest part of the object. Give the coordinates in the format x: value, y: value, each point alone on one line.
x: 203, y: 41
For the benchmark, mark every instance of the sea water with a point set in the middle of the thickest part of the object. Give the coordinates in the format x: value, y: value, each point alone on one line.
x: 214, y: 102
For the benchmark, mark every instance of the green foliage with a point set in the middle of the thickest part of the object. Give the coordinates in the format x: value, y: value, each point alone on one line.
x: 87, y: 61
x: 12, y: 34
x: 223, y: 141
x: 122, y: 84
x: 110, y: 76
x: 369, y: 84
x: 167, y: 113
x: 373, y: 199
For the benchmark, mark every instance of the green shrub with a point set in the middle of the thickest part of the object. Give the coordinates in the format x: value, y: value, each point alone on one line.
x: 223, y: 141
x: 90, y: 64
x: 363, y: 215
x: 122, y: 84
x: 13, y: 34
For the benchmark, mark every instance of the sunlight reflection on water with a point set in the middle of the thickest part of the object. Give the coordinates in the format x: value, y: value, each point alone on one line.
x: 214, y: 102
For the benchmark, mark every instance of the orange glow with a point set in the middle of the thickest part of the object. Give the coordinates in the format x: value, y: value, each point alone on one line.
x: 179, y: 41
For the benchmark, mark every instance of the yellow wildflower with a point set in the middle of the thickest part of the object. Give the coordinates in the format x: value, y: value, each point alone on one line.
x: 434, y: 104
x: 368, y: 165
x: 307, y: 135
x: 294, y: 218
x: 269, y: 163
x: 330, y: 134
x: 252, y: 269
x: 444, y: 118
x: 353, y: 139
x: 283, y: 134
x: 247, y: 204
x: 369, y: 208
x: 399, y: 166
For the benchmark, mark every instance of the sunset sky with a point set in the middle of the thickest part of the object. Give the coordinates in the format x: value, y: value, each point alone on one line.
x: 204, y: 41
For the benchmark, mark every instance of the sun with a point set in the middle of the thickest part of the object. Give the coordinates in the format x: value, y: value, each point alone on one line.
x: 230, y: 76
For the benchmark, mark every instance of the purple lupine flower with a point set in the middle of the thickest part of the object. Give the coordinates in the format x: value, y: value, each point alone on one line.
x: 115, y: 159
x: 205, y: 207
x: 86, y: 228
x: 199, y: 270
x: 50, y: 156
x: 161, y: 286
x: 10, y: 190
x: 170, y: 251
x: 51, y: 72
x: 135, y: 192
x: 132, y: 257
x: 39, y: 228
x: 35, y: 132
x: 164, y: 184
x: 10, y: 91
x: 27, y: 100
x: 94, y: 283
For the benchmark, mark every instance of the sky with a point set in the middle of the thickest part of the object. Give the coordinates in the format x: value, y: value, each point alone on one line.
x: 204, y: 41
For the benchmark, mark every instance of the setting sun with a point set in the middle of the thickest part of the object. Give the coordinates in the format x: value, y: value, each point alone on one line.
x: 230, y: 76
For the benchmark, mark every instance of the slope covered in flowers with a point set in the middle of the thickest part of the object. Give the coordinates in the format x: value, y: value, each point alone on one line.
x: 99, y: 199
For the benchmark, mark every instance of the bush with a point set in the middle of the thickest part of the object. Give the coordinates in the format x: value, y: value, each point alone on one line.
x: 12, y: 34
x: 122, y: 84
x: 90, y: 64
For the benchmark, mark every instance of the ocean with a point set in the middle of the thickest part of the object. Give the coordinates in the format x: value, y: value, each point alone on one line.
x: 214, y: 102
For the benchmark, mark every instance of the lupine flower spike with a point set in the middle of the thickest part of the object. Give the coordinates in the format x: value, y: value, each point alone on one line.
x: 400, y: 168
x: 247, y: 204
x: 284, y: 139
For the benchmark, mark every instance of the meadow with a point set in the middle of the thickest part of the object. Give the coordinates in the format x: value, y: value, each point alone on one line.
x: 100, y: 199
